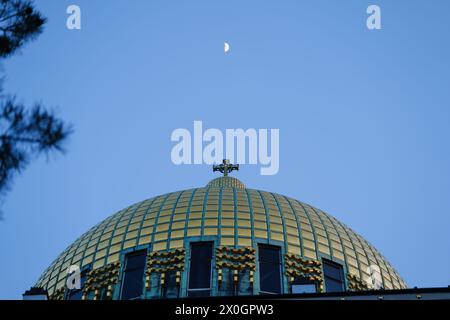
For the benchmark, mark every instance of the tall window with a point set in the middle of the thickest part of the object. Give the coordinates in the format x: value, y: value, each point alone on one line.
x: 269, y: 269
x: 133, y: 275
x: 200, y: 269
x: 334, y: 276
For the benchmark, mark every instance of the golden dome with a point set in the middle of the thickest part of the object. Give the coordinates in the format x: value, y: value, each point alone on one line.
x: 228, y: 213
x: 226, y: 182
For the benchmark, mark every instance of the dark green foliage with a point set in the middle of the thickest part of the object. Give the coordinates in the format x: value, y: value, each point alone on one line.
x: 24, y: 133
x: 19, y: 23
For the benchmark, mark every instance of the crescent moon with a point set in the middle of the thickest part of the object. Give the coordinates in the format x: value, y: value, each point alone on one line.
x: 226, y: 47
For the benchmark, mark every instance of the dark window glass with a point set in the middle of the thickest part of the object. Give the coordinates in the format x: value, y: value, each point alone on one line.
x: 332, y: 270
x: 171, y: 288
x: 200, y: 269
x: 334, y: 276
x: 269, y: 269
x: 303, y: 285
x: 133, y: 275
x: 333, y: 285
x: 135, y: 260
x: 77, y: 294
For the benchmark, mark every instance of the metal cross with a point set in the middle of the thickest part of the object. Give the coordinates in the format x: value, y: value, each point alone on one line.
x: 225, y: 167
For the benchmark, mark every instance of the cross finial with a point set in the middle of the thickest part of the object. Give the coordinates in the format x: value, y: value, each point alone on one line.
x: 225, y: 167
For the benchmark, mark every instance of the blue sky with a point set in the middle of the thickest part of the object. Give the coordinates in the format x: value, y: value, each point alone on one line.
x: 363, y: 117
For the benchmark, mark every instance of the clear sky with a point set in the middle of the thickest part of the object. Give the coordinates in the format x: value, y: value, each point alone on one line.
x: 363, y: 117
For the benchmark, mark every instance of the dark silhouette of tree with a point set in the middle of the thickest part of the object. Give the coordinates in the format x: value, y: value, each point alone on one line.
x: 23, y: 133
x: 19, y: 23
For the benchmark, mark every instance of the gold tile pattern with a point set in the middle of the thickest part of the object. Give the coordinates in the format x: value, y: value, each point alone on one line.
x: 230, y: 214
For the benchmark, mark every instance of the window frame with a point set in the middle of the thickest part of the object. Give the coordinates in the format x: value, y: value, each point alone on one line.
x: 278, y: 248
x: 332, y: 278
x: 302, y: 281
x: 125, y: 270
x: 209, y: 289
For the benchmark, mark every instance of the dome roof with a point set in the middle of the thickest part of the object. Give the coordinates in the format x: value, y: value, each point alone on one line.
x: 226, y: 182
x: 230, y: 214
